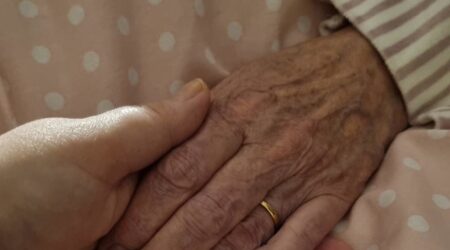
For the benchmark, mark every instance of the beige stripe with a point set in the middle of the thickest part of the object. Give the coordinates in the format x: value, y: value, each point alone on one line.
x: 363, y: 8
x: 421, y: 31
x: 430, y: 93
x: 413, y: 65
x: 394, y: 23
x: 426, y: 83
x: 387, y: 15
x: 419, y: 46
x: 424, y: 71
x: 375, y: 10
x: 395, y: 35
x: 431, y: 103
x: 350, y: 5
x: 414, y: 38
x: 439, y: 114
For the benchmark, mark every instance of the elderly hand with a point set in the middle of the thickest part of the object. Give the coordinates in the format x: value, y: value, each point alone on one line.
x: 65, y: 182
x: 302, y: 129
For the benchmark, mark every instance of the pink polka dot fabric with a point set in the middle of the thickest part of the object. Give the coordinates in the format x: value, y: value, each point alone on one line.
x: 75, y: 58
x: 407, y: 203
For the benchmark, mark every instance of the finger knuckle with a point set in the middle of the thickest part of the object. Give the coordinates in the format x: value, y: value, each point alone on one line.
x: 247, y: 103
x: 209, y: 215
x: 224, y: 124
x: 132, y: 116
x: 158, y: 114
x: 181, y: 169
x: 143, y: 119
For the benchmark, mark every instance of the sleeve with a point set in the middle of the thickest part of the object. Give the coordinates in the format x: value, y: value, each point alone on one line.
x: 413, y: 37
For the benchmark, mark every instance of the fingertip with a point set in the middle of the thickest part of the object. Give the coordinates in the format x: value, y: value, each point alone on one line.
x: 190, y: 108
x: 192, y: 89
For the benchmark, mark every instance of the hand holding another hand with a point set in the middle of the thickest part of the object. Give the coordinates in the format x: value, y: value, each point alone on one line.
x: 65, y: 182
x: 302, y: 129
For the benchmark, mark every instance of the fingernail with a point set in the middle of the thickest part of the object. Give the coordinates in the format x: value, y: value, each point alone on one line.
x: 192, y: 89
x: 116, y: 247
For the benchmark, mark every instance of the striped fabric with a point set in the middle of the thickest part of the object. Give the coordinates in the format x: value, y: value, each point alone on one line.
x: 413, y: 37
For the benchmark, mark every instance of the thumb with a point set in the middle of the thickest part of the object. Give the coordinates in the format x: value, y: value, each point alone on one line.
x: 114, y: 144
x: 128, y: 139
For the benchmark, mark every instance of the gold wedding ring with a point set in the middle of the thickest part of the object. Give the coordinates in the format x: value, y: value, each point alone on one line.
x: 271, y: 211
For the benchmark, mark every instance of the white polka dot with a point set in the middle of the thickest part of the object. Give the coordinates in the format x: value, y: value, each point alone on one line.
x: 91, y: 61
x: 155, y: 2
x: 41, y: 54
x: 28, y: 9
x: 418, y: 223
x: 54, y: 101
x: 441, y: 201
x: 167, y: 41
x: 123, y: 25
x: 340, y: 227
x: 411, y: 163
x: 104, y: 105
x: 386, y: 198
x: 437, y: 134
x: 373, y: 247
x: 175, y: 86
x: 304, y: 24
x: 76, y: 15
x: 273, y: 5
x: 199, y: 7
x: 133, y: 76
x: 276, y: 45
x: 210, y: 56
x: 234, y: 31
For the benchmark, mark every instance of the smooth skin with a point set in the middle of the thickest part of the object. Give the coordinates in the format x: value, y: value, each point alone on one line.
x: 64, y: 183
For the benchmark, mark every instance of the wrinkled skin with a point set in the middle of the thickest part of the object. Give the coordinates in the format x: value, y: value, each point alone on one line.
x: 303, y: 129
